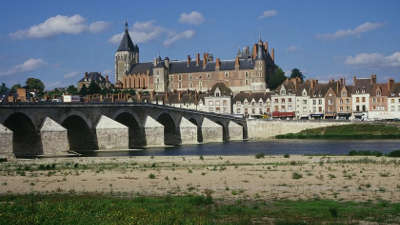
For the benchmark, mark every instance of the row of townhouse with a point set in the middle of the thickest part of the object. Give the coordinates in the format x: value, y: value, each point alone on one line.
x: 364, y: 99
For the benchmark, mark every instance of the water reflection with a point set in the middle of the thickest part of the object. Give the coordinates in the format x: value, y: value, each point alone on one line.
x: 272, y: 147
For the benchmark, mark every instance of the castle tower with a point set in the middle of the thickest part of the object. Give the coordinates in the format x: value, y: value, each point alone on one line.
x: 258, y: 79
x: 126, y: 55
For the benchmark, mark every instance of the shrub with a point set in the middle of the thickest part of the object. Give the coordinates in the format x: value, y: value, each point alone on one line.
x: 333, y: 212
x: 296, y: 176
x: 286, y: 155
x: 152, y: 176
x: 260, y: 155
x: 365, y: 153
x: 394, y: 153
x: 201, y: 157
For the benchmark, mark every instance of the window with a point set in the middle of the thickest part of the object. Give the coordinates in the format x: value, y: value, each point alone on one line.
x: 358, y: 99
x: 289, y: 99
x: 283, y: 100
x: 341, y: 101
x: 180, y: 77
x: 283, y: 92
x: 344, y: 93
x: 247, y: 74
x: 347, y: 101
x: 330, y: 102
x: 226, y: 74
x: 363, y: 99
x: 276, y: 100
x: 378, y: 93
x: 238, y: 110
x: 320, y: 109
x: 208, y: 75
x: 224, y: 102
x: 304, y: 102
x: 320, y: 101
x: 358, y: 108
x: 190, y: 76
x: 217, y: 103
x: 314, y: 102
x: 180, y: 84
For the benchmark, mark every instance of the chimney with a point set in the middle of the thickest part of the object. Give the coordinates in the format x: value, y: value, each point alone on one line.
x: 338, y: 86
x: 86, y: 75
x: 197, y: 59
x: 266, y: 46
x: 166, y: 62
x: 342, y: 81
x: 237, y: 63
x: 205, y: 60
x: 273, y: 55
x: 217, y: 64
x: 354, y: 80
x: 188, y: 60
x: 254, y: 53
x: 373, y: 79
x: 390, y: 84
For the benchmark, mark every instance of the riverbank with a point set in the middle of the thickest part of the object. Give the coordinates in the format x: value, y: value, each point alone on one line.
x: 190, y: 209
x: 350, y: 131
x: 342, y: 178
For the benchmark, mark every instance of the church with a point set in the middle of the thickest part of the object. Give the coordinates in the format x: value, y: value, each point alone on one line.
x: 247, y: 72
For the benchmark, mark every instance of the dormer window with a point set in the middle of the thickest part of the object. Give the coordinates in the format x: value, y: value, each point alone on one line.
x: 363, y: 91
x: 344, y: 93
x: 378, y: 93
x: 357, y: 91
x: 304, y: 93
x: 283, y: 92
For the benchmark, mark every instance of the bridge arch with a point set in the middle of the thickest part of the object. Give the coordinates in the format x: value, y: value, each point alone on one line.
x: 171, y: 131
x: 136, y: 131
x: 26, y: 138
x: 81, y: 135
x: 225, y: 129
x: 198, y: 123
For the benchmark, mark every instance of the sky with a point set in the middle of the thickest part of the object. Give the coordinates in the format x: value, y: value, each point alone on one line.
x: 57, y: 41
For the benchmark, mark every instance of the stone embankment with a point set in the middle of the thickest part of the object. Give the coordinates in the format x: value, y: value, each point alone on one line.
x: 264, y: 129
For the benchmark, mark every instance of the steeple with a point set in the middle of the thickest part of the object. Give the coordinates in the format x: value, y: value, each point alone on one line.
x: 126, y: 42
x: 260, y: 50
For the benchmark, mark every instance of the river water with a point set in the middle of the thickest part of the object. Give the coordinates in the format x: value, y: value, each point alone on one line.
x: 272, y: 147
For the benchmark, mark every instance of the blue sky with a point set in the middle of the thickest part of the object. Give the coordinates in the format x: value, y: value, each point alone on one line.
x: 57, y: 41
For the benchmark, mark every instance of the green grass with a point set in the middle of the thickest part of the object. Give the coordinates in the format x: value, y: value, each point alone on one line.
x: 365, y: 153
x: 102, y: 209
x: 350, y: 131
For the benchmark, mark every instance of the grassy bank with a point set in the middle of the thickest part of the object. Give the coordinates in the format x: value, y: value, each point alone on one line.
x: 100, y: 209
x: 350, y: 131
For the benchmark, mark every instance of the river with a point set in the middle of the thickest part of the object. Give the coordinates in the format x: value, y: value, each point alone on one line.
x: 272, y: 147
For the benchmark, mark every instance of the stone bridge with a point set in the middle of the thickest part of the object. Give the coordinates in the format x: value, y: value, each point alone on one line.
x: 53, y: 129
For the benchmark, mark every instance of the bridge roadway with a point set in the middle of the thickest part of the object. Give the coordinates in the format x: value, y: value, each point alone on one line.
x: 55, y: 128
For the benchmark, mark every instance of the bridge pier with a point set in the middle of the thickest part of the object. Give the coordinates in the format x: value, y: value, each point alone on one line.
x: 111, y: 134
x: 211, y: 131
x: 54, y: 138
x: 6, y: 142
x: 153, y: 133
x: 235, y: 131
x: 188, y: 132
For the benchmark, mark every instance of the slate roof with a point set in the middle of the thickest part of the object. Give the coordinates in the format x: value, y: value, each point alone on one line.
x: 182, y: 66
x: 93, y: 76
x: 225, y: 91
x: 250, y: 95
x: 127, y: 44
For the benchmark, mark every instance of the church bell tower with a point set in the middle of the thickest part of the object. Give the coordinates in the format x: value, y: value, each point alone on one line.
x: 126, y: 55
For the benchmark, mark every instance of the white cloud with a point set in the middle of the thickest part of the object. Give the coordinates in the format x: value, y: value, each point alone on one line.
x: 51, y: 85
x: 187, y: 34
x: 71, y: 74
x: 374, y: 59
x: 59, y: 25
x: 98, y: 26
x: 293, y: 48
x: 268, y: 13
x: 194, y: 17
x: 27, y: 66
x: 142, y: 32
x: 365, y: 27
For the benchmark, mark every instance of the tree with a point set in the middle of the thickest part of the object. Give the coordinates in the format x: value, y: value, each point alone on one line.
x: 72, y: 90
x: 15, y: 87
x: 278, y: 76
x: 94, y: 88
x: 83, y: 91
x: 297, y: 73
x: 3, y: 88
x: 36, y: 85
